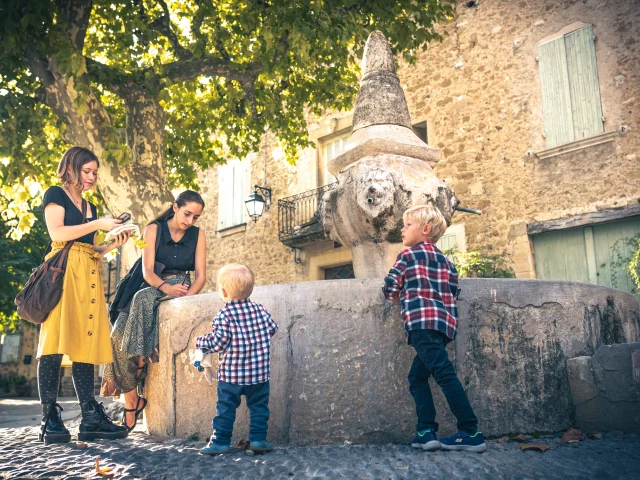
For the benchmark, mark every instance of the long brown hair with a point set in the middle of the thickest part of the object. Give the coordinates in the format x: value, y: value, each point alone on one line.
x: 75, y: 158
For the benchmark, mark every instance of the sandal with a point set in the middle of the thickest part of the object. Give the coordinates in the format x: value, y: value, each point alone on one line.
x: 138, y: 412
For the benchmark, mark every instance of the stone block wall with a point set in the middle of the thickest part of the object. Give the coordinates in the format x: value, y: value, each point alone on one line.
x: 340, y: 359
x: 605, y: 388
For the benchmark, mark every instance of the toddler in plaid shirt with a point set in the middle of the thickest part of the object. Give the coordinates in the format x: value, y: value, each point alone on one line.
x: 425, y: 283
x: 241, y: 334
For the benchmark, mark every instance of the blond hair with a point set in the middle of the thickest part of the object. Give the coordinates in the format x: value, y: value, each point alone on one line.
x: 427, y: 215
x: 237, y: 280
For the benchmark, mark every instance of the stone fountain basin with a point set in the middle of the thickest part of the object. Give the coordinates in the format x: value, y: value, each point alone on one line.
x: 340, y: 359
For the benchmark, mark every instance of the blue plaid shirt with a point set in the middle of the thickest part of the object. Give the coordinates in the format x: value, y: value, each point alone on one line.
x: 242, y: 333
x: 427, y: 284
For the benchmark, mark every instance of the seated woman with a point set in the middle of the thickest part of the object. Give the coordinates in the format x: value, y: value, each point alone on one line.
x: 180, y: 248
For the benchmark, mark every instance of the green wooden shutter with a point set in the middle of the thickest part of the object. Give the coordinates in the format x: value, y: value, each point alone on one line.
x: 556, y: 99
x: 561, y: 255
x: 614, y: 246
x: 447, y: 242
x: 586, y: 107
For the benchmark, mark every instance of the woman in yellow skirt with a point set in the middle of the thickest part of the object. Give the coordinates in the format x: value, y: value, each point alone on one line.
x: 78, y: 326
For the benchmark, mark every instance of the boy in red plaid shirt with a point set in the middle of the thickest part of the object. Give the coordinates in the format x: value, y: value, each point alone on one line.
x: 425, y: 283
x: 242, y: 333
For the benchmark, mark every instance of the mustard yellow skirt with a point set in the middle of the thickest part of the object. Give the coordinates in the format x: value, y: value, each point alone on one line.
x: 78, y: 326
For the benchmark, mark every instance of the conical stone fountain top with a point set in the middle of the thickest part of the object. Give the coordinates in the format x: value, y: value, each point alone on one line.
x: 384, y: 170
x: 381, y: 121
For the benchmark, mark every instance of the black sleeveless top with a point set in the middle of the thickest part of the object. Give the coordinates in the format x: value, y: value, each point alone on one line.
x: 72, y: 215
x: 181, y: 255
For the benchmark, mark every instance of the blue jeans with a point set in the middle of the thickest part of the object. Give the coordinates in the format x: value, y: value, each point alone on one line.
x: 229, y: 394
x: 432, y: 359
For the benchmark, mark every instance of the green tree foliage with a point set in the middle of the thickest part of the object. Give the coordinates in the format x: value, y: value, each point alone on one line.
x: 207, y: 78
x: 633, y: 267
x: 17, y: 260
x: 479, y: 264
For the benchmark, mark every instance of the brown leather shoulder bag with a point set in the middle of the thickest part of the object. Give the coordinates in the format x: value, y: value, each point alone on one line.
x: 44, y: 288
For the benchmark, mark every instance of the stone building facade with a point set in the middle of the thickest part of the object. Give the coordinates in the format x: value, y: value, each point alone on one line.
x: 533, y: 106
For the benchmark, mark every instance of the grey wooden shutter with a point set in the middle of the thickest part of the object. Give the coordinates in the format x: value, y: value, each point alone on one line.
x: 586, y: 107
x: 556, y: 99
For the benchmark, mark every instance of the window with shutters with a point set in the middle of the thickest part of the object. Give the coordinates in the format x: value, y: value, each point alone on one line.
x: 330, y: 149
x: 570, y: 90
x: 232, y: 193
x: 453, y: 239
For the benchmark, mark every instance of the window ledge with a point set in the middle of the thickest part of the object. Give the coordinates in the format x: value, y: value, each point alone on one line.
x: 577, y: 145
x: 225, y: 232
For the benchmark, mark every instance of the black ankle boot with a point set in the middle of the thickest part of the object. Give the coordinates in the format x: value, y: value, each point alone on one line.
x: 96, y: 423
x: 52, y: 430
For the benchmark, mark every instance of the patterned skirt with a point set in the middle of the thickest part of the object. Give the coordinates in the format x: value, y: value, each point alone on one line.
x: 134, y: 335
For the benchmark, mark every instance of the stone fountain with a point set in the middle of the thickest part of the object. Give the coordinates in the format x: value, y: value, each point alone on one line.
x: 340, y: 359
x: 384, y: 169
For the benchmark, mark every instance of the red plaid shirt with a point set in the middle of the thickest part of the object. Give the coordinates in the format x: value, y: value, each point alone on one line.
x: 242, y: 333
x: 427, y: 284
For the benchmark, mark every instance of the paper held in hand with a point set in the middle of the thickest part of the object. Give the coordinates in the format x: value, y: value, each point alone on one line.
x: 132, y: 228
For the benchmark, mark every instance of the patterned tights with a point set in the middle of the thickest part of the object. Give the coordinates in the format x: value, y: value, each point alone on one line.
x: 49, y: 376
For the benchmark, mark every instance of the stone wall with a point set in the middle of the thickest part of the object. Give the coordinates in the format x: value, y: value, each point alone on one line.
x: 340, y: 359
x: 28, y: 346
x: 479, y: 91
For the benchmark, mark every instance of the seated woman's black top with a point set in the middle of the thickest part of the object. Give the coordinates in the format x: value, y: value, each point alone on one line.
x: 181, y: 255
x: 72, y: 215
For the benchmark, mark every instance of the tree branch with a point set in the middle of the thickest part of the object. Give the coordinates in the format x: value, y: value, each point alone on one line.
x: 116, y: 80
x: 162, y: 24
x: 185, y: 70
x: 38, y: 65
x: 76, y: 19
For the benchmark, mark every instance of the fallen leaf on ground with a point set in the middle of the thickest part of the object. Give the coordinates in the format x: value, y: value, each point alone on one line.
x: 81, y: 445
x: 572, y: 434
x: 536, y: 447
x: 503, y: 440
x: 520, y: 438
x: 104, y: 472
x: 595, y: 436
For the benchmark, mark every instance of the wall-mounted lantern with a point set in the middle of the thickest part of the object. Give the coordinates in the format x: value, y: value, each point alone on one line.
x: 257, y: 203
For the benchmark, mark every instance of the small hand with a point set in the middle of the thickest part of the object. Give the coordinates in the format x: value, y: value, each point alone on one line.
x: 107, y: 224
x: 175, y: 290
x: 121, y: 239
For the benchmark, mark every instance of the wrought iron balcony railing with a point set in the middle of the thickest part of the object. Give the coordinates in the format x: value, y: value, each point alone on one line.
x: 299, y: 217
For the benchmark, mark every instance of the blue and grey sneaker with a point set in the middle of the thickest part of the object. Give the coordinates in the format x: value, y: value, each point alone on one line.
x: 261, y: 446
x: 426, y: 440
x: 214, y: 449
x: 463, y: 441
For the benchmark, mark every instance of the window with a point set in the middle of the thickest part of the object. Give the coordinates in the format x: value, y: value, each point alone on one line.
x: 571, y: 104
x: 420, y: 129
x: 453, y: 238
x: 341, y: 272
x: 231, y: 194
x: 331, y: 148
x: 10, y: 348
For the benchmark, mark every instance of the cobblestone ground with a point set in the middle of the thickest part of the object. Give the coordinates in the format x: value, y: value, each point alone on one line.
x: 143, y: 456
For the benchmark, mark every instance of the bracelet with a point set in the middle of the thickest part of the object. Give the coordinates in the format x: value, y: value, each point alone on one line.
x: 158, y: 287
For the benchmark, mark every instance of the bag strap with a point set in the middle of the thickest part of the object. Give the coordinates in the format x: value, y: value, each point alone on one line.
x: 158, y: 235
x: 67, y: 247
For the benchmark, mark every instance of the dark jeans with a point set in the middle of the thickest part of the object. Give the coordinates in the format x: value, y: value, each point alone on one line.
x: 432, y: 359
x: 257, y: 398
